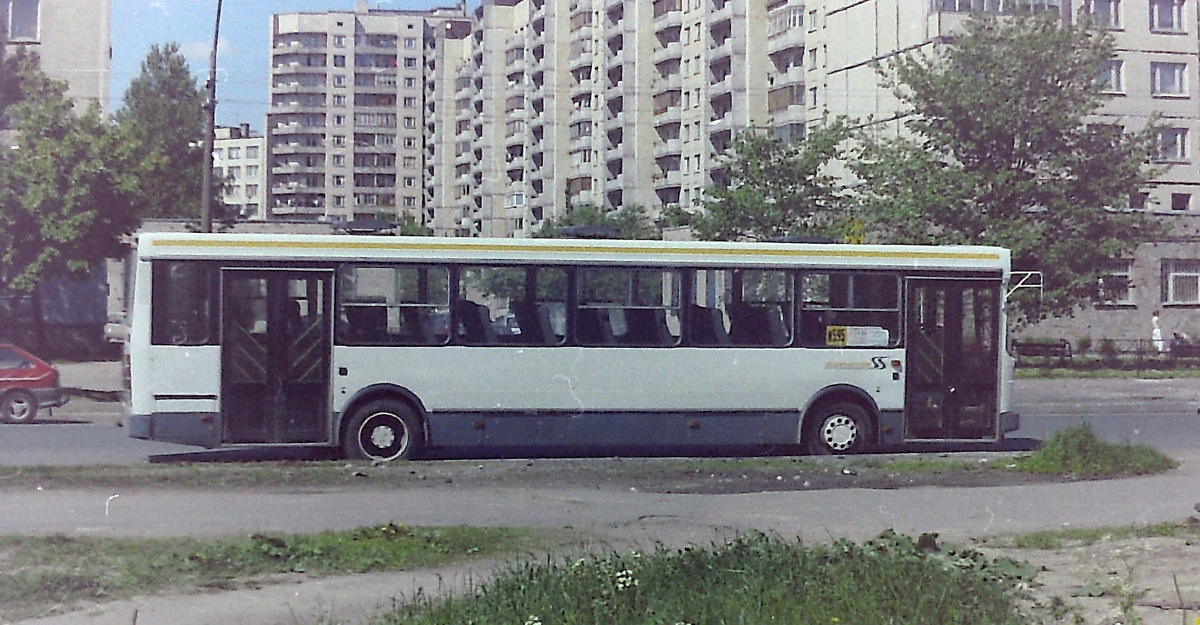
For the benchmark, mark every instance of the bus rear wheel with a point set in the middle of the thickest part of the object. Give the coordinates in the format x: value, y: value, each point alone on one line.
x: 383, y: 431
x: 840, y: 428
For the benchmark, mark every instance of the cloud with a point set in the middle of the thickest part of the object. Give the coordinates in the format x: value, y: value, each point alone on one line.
x: 161, y: 6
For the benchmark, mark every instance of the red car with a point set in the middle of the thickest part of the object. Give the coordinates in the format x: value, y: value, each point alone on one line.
x: 27, y: 383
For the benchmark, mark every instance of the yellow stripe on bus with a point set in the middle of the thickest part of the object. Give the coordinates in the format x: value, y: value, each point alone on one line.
x: 505, y: 247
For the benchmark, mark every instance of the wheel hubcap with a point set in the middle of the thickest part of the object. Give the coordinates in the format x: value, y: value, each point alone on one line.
x: 383, y: 436
x: 839, y: 432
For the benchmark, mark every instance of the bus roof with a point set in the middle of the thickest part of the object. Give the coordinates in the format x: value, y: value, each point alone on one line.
x: 346, y: 248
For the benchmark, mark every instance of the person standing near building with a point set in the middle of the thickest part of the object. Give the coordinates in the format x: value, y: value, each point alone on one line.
x: 1156, y: 335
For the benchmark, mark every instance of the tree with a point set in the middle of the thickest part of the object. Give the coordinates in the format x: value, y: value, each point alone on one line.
x: 774, y: 189
x: 628, y: 222
x: 1001, y: 150
x: 65, y: 196
x: 164, y: 117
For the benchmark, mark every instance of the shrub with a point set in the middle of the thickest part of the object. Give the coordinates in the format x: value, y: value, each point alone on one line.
x: 1077, y: 452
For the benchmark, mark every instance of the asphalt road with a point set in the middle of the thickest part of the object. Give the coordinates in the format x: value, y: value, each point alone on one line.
x: 1159, y: 413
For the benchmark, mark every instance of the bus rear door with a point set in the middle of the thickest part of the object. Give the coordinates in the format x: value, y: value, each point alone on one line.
x: 953, y: 360
x: 275, y: 356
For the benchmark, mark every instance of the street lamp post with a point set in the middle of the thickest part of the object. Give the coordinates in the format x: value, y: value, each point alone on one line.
x: 210, y: 107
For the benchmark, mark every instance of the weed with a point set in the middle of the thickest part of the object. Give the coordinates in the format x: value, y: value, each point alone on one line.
x: 1077, y: 452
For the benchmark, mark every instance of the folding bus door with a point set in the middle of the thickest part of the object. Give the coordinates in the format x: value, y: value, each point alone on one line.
x: 275, y: 356
x: 953, y: 359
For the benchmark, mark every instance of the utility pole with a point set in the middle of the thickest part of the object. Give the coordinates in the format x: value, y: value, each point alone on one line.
x: 210, y: 107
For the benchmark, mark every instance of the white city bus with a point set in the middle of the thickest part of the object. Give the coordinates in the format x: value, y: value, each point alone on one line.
x: 388, y: 346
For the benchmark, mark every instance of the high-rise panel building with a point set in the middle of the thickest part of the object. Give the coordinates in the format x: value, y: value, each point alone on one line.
x: 239, y: 159
x: 346, y: 127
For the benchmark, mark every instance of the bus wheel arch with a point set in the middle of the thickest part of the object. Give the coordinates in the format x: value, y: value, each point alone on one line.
x: 840, y: 421
x: 382, y: 426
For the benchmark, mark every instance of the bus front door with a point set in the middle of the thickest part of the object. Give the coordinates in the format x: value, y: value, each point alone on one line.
x: 275, y: 342
x: 953, y: 360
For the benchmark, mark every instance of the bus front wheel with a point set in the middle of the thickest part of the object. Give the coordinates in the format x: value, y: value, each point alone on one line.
x: 382, y: 431
x: 840, y: 428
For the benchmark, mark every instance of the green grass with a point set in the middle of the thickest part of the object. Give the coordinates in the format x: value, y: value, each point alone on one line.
x: 1077, y: 452
x: 754, y: 579
x: 1082, y: 537
x: 39, y: 572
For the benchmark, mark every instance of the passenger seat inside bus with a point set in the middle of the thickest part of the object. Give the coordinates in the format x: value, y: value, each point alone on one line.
x: 534, y: 322
x: 646, y: 326
x: 706, y: 326
x: 757, y: 324
x: 592, y: 327
x: 366, y: 324
x: 474, y: 323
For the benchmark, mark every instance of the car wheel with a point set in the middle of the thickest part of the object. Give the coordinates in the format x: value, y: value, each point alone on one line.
x: 18, y: 407
x: 383, y: 431
x: 841, y: 428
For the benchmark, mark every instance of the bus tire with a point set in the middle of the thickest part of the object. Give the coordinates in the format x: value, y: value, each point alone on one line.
x: 18, y: 407
x: 382, y: 431
x: 839, y: 428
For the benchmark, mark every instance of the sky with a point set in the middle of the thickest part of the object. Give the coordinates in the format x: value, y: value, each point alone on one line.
x: 243, y: 54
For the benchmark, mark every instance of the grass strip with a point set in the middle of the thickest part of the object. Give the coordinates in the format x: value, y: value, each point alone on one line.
x: 751, y: 580
x: 39, y: 572
x: 1078, y: 453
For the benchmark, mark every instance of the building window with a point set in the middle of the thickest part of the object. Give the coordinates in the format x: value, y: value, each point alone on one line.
x: 409, y: 201
x: 410, y: 43
x: 339, y: 181
x: 410, y: 82
x: 1181, y: 201
x: 339, y: 60
x: 22, y: 20
x: 410, y: 142
x: 1166, y: 15
x: 410, y: 62
x: 339, y: 120
x: 251, y: 190
x: 339, y: 140
x: 1180, y: 281
x: 1106, y: 13
x: 251, y: 171
x: 339, y: 41
x: 1116, y: 286
x: 1172, y: 144
x: 339, y: 80
x: 234, y: 153
x: 1109, y: 78
x: 1168, y: 79
x: 339, y: 160
x: 339, y: 100
x: 252, y: 151
x: 235, y: 172
x: 410, y: 102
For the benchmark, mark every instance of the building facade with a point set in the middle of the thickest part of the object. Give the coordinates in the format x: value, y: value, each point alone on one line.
x: 239, y: 158
x: 346, y: 127
x: 72, y: 39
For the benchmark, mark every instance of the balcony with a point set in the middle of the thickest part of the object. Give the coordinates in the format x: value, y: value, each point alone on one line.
x: 668, y: 19
x: 672, y: 50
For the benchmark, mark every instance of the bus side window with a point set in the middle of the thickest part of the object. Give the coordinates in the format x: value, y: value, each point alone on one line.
x: 850, y: 309
x: 182, y: 303
x: 393, y: 305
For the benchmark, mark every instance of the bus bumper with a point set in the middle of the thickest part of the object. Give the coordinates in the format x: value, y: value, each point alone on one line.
x: 185, y: 428
x: 1009, y: 422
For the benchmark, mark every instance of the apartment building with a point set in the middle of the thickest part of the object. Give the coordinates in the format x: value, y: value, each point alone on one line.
x: 346, y: 127
x: 1154, y: 75
x: 605, y: 102
x: 72, y: 41
x: 239, y: 158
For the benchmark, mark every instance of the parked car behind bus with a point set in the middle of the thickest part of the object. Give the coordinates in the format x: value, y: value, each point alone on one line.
x: 27, y: 383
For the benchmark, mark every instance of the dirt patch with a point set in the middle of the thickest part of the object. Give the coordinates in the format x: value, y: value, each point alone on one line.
x: 1151, y: 581
x: 705, y: 476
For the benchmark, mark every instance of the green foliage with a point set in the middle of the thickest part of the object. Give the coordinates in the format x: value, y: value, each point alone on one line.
x: 65, y: 191
x: 45, y: 571
x: 627, y: 222
x: 1078, y: 452
x: 1085, y: 536
x: 408, y: 226
x: 164, y: 121
x: 753, y: 579
x: 999, y: 153
x: 773, y: 188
